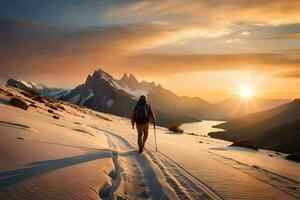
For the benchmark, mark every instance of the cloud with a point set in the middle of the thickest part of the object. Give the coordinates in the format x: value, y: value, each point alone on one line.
x: 208, y: 15
x: 233, y: 40
x: 30, y: 48
x: 167, y: 64
x: 245, y: 33
x: 278, y: 11
x: 290, y: 36
x: 295, y: 74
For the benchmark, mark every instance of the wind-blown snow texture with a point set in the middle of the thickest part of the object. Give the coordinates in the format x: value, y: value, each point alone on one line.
x: 90, y: 155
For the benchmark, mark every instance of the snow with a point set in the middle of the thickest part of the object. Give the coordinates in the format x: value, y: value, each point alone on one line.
x: 61, y: 94
x: 91, y: 155
x: 103, y: 100
x: 75, y: 99
x: 25, y: 83
x: 134, y: 93
x: 55, y: 93
x: 84, y: 99
x: 105, y: 76
x: 110, y: 102
x: 42, y: 89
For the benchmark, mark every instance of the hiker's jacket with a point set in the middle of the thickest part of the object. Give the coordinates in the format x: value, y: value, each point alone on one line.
x: 149, y: 113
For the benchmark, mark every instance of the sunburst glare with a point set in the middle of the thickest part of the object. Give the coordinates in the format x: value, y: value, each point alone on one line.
x: 246, y: 92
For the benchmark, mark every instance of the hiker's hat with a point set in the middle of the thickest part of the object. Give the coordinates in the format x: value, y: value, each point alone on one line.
x: 143, y: 97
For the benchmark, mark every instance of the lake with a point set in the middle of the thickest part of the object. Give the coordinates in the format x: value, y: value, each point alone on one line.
x: 201, y: 128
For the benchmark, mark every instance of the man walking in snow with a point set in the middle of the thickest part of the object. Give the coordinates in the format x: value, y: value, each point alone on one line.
x: 141, y: 115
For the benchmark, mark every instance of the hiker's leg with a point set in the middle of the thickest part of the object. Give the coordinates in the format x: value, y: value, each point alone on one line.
x: 145, y: 131
x: 139, y: 129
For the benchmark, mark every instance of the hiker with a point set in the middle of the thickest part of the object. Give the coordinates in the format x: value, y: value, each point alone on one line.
x: 141, y: 114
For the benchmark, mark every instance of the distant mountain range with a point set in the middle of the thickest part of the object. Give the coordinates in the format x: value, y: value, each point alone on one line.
x: 276, y: 129
x: 235, y: 107
x: 104, y: 93
x: 39, y: 88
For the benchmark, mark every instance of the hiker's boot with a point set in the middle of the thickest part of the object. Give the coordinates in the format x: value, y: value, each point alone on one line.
x: 140, y: 149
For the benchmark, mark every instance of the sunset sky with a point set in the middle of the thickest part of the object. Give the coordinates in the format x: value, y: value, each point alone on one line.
x: 196, y: 48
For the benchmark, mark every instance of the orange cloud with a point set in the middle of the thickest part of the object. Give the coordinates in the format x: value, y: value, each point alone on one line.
x: 166, y: 64
x: 279, y: 11
x: 207, y: 18
x: 290, y: 36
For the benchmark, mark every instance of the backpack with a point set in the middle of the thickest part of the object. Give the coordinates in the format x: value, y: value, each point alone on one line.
x: 142, y: 115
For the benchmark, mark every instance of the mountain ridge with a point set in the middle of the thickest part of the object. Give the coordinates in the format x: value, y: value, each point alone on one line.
x: 102, y: 92
x: 36, y: 87
x: 275, y: 129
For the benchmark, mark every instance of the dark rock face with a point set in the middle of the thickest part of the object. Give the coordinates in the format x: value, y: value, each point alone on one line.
x: 50, y: 111
x: 277, y: 129
x: 244, y: 143
x: 294, y: 157
x: 103, y: 93
x: 33, y: 105
x: 25, y: 94
x: 176, y: 129
x: 99, y: 93
x: 49, y: 105
x: 20, y: 103
x: 38, y: 99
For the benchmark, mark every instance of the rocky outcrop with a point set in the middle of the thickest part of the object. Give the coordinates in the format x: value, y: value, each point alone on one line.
x: 18, y: 102
x: 294, y: 157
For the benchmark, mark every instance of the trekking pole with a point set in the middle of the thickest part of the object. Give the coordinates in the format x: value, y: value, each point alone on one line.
x: 155, y: 139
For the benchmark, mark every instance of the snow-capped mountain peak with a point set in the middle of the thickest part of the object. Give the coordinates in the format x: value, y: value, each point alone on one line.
x: 124, y: 77
x: 36, y: 87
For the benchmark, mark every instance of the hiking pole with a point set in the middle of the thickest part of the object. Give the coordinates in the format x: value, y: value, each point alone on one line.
x: 155, y: 139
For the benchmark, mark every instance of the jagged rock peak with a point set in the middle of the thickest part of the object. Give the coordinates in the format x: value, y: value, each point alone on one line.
x: 124, y: 77
x: 132, y: 78
x: 159, y: 86
x: 296, y: 102
x: 99, y: 73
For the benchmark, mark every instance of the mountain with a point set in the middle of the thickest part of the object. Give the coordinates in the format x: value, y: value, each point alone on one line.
x: 103, y: 93
x: 237, y: 107
x: 100, y: 92
x: 276, y: 129
x: 164, y: 100
x: 39, y: 88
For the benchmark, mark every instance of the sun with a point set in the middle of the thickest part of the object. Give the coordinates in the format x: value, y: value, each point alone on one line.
x: 246, y: 92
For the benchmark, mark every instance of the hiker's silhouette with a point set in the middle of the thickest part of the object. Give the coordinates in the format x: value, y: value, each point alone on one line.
x: 141, y: 116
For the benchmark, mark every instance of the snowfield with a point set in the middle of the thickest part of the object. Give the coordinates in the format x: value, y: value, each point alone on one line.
x: 90, y: 155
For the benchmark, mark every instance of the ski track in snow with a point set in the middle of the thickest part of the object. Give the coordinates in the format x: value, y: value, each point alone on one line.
x: 290, y: 186
x: 140, y: 177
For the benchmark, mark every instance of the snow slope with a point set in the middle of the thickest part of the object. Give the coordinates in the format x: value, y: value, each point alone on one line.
x: 90, y: 155
x: 74, y: 157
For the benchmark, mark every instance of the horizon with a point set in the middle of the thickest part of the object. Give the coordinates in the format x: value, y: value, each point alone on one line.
x: 212, y: 55
x: 233, y: 96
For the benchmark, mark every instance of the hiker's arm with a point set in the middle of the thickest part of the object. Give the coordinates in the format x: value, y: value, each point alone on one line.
x: 153, y: 118
x: 133, y: 117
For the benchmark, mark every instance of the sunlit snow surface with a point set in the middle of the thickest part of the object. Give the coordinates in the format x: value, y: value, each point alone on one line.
x: 84, y: 153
